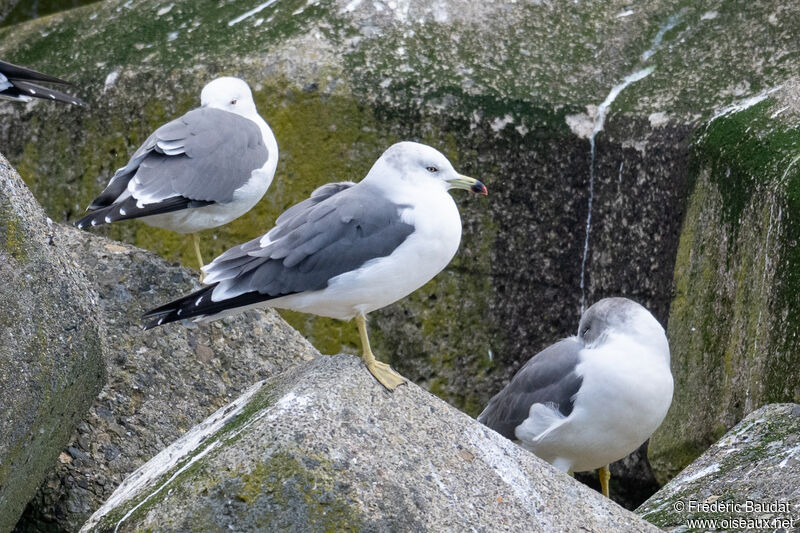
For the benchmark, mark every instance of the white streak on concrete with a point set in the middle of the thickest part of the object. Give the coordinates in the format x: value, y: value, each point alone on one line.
x: 499, y: 458
x: 791, y: 453
x: 779, y: 111
x: 170, y: 456
x: 252, y: 12
x: 703, y: 472
x: 741, y: 105
x: 599, y: 122
x: 349, y: 8
x: 167, y: 482
x: 655, y: 44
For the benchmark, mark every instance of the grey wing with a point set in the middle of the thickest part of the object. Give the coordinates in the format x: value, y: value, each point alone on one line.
x: 337, y: 230
x: 548, y: 378
x: 205, y: 155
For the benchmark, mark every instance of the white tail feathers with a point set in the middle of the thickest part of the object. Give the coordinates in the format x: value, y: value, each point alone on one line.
x: 542, y: 419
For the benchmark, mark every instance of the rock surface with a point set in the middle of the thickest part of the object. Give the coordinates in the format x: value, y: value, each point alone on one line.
x: 758, y: 461
x: 323, y: 447
x: 734, y: 324
x: 517, y: 94
x: 5, y: 8
x: 160, y: 382
x: 51, y: 364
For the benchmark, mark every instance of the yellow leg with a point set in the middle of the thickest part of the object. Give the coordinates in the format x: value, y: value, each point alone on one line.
x: 382, y: 372
x: 605, y: 476
x: 196, y: 242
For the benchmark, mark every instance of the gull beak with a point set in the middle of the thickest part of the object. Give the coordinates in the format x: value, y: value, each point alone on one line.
x: 470, y: 184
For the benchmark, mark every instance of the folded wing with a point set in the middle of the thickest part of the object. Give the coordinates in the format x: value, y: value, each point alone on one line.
x: 339, y: 229
x: 198, y: 159
x: 544, y: 390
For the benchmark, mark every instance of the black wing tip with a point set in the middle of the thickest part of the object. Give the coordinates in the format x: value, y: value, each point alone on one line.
x: 93, y: 219
x: 11, y: 70
x: 160, y: 316
x: 148, y: 324
x: 34, y: 90
x: 186, y: 307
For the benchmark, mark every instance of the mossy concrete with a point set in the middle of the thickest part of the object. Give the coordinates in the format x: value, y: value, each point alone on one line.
x: 509, y: 92
x: 755, y: 463
x: 733, y: 325
x: 51, y: 364
x: 159, y: 383
x: 276, y: 460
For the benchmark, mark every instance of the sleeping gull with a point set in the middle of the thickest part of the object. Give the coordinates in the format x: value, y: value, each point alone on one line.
x: 23, y: 84
x: 349, y: 249
x: 199, y: 171
x: 590, y: 400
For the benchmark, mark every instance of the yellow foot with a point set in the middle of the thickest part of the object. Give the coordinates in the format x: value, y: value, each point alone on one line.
x: 386, y: 375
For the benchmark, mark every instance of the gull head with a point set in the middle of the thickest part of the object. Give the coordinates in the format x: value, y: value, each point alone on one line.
x: 228, y: 94
x: 619, y: 316
x: 422, y: 165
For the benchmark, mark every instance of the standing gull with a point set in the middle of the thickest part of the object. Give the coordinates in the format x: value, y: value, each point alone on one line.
x: 349, y: 249
x: 590, y: 400
x: 199, y: 171
x: 23, y: 84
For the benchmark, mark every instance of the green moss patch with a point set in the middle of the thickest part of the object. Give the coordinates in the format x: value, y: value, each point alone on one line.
x: 733, y: 324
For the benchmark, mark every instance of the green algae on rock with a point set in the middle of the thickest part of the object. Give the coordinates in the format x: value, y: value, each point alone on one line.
x: 755, y: 463
x: 733, y: 324
x: 51, y: 362
x: 159, y: 384
x: 509, y: 91
x: 276, y: 459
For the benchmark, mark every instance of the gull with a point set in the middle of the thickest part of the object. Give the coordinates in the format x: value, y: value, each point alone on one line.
x: 591, y: 399
x: 199, y: 171
x: 23, y: 84
x: 349, y: 249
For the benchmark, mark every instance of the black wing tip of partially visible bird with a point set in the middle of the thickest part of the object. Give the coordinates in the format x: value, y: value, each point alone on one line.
x: 10, y: 70
x: 34, y: 90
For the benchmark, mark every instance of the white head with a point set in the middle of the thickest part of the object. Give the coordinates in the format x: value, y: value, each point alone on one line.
x: 228, y: 94
x: 621, y: 316
x: 421, y: 165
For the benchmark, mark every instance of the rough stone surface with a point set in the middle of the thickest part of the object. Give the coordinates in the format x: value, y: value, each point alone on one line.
x: 734, y: 325
x: 512, y: 92
x: 323, y: 447
x: 758, y: 461
x: 51, y: 363
x: 5, y: 8
x: 14, y: 11
x: 160, y: 382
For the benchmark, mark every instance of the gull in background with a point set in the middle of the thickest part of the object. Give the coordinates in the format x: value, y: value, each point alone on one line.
x: 590, y: 400
x: 349, y: 249
x: 199, y: 171
x: 23, y: 84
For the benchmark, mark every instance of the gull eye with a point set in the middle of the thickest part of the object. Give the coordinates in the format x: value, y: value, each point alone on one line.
x: 233, y: 102
x: 432, y: 169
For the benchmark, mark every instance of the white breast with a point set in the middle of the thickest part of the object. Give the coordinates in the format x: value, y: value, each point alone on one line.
x: 626, y: 392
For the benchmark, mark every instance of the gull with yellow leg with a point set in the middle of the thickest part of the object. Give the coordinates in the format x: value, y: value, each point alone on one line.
x: 591, y: 399
x: 349, y: 249
x: 199, y: 171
